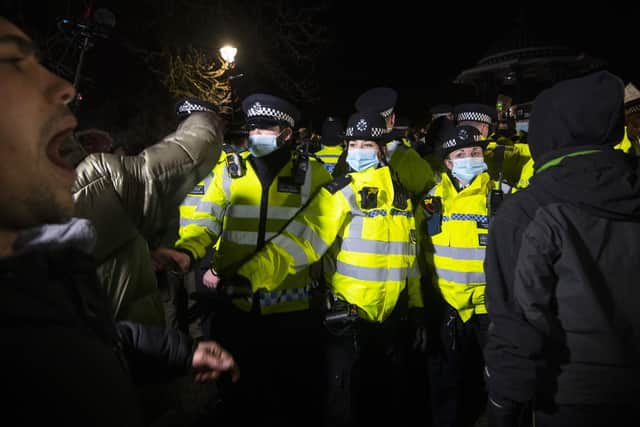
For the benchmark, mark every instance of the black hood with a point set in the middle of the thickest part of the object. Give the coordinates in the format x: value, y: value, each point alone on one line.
x: 576, y: 123
x: 577, y: 114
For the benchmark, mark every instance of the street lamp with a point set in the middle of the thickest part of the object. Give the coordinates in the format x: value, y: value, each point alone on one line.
x: 228, y: 53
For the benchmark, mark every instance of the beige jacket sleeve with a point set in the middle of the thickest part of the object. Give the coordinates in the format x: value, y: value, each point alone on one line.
x: 129, y: 195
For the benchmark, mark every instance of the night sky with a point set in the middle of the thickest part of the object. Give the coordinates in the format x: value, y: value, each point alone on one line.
x: 415, y: 47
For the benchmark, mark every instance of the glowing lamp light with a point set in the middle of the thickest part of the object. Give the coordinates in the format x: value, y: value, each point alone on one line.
x: 228, y: 53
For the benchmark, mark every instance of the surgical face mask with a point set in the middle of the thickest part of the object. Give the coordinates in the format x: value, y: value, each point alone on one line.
x: 468, y: 168
x: 361, y: 159
x: 261, y: 144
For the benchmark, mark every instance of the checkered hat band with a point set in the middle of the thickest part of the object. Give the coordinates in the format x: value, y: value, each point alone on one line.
x: 374, y: 132
x: 189, y: 107
x: 386, y: 113
x: 270, y: 112
x: 633, y: 109
x: 474, y: 117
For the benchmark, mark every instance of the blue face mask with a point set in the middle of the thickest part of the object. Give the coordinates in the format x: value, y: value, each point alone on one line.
x: 261, y: 145
x: 468, y: 168
x: 361, y: 159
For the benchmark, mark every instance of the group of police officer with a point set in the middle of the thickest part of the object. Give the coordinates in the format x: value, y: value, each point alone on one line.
x: 324, y: 269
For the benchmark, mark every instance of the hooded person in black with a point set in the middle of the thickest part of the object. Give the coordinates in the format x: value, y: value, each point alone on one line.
x: 562, y: 269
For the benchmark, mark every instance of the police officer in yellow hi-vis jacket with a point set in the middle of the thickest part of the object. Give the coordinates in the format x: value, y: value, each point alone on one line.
x: 453, y: 224
x: 248, y: 202
x: 332, y: 144
x: 366, y: 218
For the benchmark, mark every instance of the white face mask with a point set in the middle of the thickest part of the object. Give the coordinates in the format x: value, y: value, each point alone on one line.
x: 262, y: 144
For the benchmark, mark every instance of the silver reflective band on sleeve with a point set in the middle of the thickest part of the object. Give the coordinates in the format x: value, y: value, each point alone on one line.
x: 298, y: 229
x: 371, y: 274
x: 464, y: 254
x: 253, y: 211
x: 292, y: 248
x: 243, y: 237
x: 375, y: 246
x: 226, y: 183
x: 285, y: 295
x: 462, y: 277
x: 210, y: 208
x: 191, y: 201
x: 209, y: 224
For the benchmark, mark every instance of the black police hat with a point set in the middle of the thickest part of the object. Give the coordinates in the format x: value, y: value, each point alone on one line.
x: 332, y: 131
x: 440, y: 110
x: 380, y: 99
x: 368, y: 126
x: 475, y: 112
x: 186, y: 106
x: 459, y: 137
x: 268, y: 110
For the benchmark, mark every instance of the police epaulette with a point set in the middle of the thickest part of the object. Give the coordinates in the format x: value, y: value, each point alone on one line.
x: 338, y: 184
x: 228, y: 148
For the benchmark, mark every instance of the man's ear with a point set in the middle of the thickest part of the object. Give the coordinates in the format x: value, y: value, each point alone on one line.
x: 287, y: 133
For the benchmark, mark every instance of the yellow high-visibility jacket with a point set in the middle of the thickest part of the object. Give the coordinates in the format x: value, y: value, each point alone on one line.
x: 375, y: 245
x: 454, y: 254
x: 511, y: 161
x: 414, y: 173
x: 193, y: 198
x: 236, y: 211
x: 329, y: 154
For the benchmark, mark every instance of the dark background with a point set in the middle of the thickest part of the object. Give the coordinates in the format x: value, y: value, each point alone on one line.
x: 416, y: 47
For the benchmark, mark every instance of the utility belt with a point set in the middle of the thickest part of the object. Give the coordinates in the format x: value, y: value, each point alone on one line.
x: 338, y: 312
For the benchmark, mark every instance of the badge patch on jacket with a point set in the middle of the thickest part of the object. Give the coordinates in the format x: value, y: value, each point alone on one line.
x: 198, y: 189
x: 483, y: 239
x: 287, y: 185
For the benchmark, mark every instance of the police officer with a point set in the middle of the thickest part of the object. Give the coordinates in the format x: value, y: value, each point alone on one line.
x: 248, y: 202
x: 504, y: 156
x: 366, y: 218
x: 413, y: 172
x: 453, y: 221
x: 332, y: 144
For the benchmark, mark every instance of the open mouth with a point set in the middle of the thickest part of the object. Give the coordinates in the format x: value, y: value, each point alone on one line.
x: 64, y: 151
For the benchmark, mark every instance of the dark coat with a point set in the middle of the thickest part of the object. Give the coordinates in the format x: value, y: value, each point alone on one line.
x: 64, y: 360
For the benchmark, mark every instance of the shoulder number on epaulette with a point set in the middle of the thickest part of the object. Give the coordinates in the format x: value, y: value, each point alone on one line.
x: 338, y: 184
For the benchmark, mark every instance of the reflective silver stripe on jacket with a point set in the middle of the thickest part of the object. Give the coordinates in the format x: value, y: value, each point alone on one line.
x: 463, y: 277
x: 285, y: 295
x: 463, y: 254
x: 211, y: 208
x: 244, y: 237
x: 376, y: 247
x: 209, y: 224
x: 294, y: 249
x: 253, y: 211
x: 371, y: 273
x: 357, y: 217
x: 305, y: 191
x: 191, y: 200
x: 226, y: 183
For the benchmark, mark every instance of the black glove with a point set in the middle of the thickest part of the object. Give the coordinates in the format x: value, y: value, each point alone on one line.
x: 419, y: 324
x: 503, y: 412
x: 235, y: 286
x: 186, y: 106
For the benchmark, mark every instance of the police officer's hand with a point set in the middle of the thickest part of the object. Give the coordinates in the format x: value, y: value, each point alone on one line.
x: 418, y: 323
x: 210, y: 361
x: 211, y: 279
